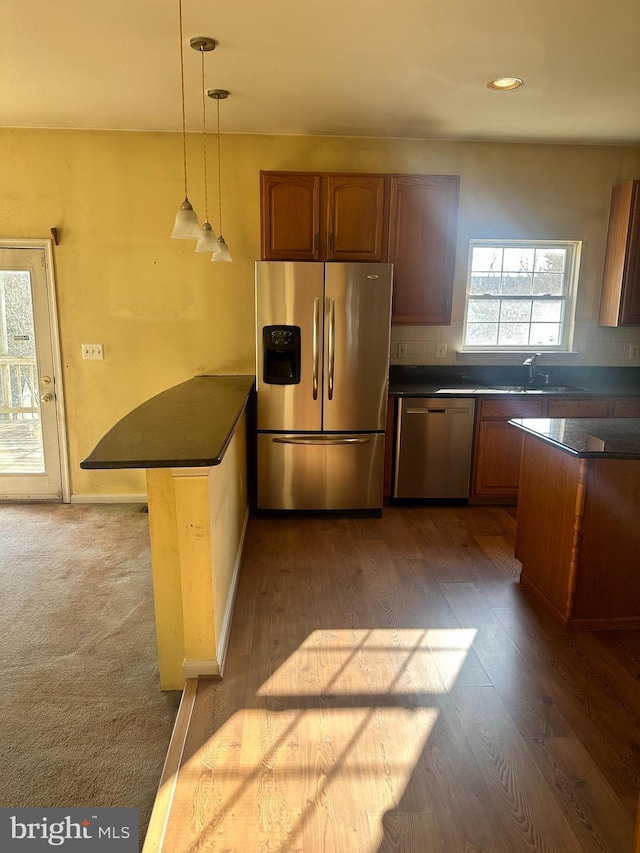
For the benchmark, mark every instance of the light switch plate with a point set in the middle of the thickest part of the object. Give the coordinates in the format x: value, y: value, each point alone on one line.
x: 93, y: 351
x: 441, y: 350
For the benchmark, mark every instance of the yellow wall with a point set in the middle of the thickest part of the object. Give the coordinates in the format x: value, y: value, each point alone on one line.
x: 228, y: 511
x: 197, y: 519
x: 164, y: 313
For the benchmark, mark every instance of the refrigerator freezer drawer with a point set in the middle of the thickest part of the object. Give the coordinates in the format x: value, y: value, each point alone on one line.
x: 320, y: 471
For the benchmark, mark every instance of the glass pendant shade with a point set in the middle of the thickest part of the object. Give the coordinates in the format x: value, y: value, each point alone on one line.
x: 186, y: 226
x: 223, y: 254
x: 208, y: 241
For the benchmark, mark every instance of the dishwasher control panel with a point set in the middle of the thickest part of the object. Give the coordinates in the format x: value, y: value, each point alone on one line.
x: 434, y: 442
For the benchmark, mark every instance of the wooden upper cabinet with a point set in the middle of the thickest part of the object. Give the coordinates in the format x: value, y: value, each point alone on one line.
x: 408, y: 220
x: 355, y: 217
x: 317, y: 217
x: 423, y: 218
x: 290, y: 205
x: 620, y: 301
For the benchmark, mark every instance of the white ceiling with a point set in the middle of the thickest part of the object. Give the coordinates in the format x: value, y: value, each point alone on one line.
x: 403, y: 68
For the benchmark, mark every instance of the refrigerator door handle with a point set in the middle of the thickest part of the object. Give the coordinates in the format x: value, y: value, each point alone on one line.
x: 316, y: 348
x: 445, y: 410
x: 332, y: 344
x: 324, y: 442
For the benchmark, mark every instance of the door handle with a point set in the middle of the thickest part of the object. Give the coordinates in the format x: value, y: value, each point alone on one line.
x: 442, y: 411
x: 321, y: 442
x: 316, y: 347
x: 332, y: 345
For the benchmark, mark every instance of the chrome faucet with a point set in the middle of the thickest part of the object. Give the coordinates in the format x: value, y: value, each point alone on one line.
x: 531, y: 363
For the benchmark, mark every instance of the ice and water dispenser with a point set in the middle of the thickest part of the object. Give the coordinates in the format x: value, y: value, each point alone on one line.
x: 281, y: 355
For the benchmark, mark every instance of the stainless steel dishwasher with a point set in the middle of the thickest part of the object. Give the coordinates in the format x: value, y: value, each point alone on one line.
x: 434, y: 441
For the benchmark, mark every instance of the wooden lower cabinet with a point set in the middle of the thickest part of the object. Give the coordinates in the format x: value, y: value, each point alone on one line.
x: 626, y: 408
x: 577, y: 536
x: 587, y: 408
x: 498, y: 448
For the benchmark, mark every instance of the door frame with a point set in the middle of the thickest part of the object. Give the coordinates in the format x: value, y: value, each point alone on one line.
x: 54, y: 332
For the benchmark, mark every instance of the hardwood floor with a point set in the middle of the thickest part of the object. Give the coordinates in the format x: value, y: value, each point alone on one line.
x: 390, y: 687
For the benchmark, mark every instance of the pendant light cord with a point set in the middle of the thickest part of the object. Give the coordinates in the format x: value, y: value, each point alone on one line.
x: 219, y: 171
x: 204, y: 140
x: 184, y: 117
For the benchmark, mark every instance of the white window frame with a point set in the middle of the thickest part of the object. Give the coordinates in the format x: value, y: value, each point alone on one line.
x: 572, y: 268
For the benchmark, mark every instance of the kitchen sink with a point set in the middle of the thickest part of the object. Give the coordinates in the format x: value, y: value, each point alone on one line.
x: 537, y: 389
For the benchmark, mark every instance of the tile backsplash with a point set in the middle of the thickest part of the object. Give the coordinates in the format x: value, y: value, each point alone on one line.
x: 592, y: 345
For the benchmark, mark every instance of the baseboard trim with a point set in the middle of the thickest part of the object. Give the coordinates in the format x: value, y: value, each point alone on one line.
x: 542, y: 599
x: 154, y: 839
x: 225, y: 630
x: 109, y: 499
x: 200, y: 669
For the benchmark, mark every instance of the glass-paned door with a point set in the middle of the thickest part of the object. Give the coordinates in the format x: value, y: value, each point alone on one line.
x: 31, y: 452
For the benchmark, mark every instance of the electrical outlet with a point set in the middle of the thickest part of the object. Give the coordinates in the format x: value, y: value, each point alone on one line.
x: 634, y: 350
x: 441, y: 350
x: 401, y: 349
x: 93, y: 351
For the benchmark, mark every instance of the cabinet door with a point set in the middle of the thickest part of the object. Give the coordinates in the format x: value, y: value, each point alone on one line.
x: 497, y: 469
x: 629, y: 408
x: 499, y: 446
x: 290, y: 208
x: 354, y: 217
x: 620, y: 301
x: 587, y: 408
x: 423, y: 218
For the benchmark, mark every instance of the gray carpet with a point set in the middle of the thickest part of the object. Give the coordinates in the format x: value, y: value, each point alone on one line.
x: 83, y: 721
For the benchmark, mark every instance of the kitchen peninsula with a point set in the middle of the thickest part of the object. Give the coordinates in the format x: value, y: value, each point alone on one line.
x: 192, y: 441
x: 577, y: 533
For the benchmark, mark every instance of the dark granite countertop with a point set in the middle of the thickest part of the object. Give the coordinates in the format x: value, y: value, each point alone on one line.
x: 187, y: 426
x: 475, y: 380
x: 599, y: 438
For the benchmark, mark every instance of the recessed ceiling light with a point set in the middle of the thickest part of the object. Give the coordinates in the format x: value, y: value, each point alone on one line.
x: 504, y: 84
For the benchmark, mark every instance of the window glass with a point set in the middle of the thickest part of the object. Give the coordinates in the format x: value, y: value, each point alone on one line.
x: 520, y: 295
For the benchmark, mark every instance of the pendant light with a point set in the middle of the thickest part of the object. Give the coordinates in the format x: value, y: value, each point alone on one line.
x: 224, y: 254
x: 186, y: 226
x: 207, y: 240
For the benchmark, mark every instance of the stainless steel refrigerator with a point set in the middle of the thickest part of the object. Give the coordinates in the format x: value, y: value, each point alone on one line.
x: 322, y: 359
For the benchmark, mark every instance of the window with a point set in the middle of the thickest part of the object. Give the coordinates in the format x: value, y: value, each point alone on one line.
x: 520, y: 295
